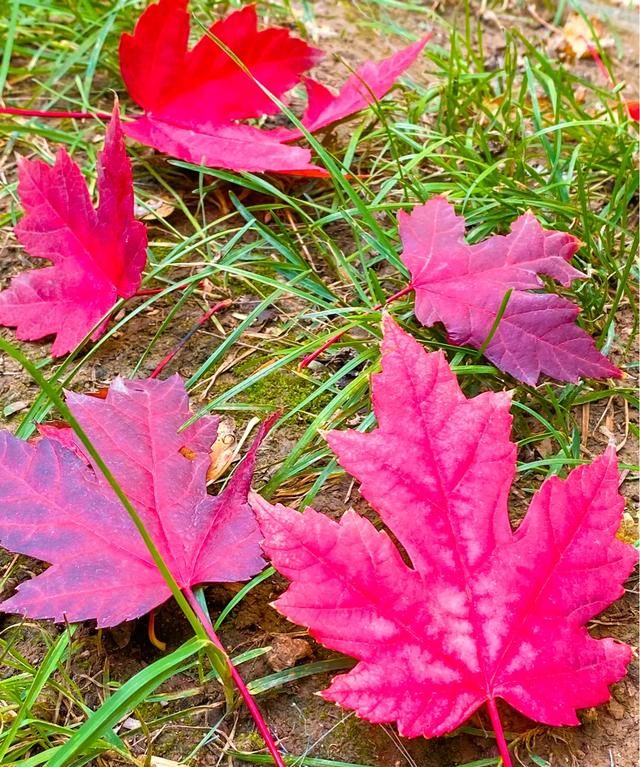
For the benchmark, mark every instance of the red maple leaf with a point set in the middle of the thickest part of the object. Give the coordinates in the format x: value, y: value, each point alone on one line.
x: 472, y: 611
x: 98, y: 254
x: 465, y: 286
x: 193, y: 98
x: 57, y: 508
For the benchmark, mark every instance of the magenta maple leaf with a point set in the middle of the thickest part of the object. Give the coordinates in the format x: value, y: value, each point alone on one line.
x: 98, y: 254
x: 193, y: 98
x: 471, y: 611
x: 57, y: 508
x: 464, y: 286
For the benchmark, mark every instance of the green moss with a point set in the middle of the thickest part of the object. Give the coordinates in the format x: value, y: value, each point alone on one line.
x: 249, y: 741
x: 363, y: 744
x: 282, y: 390
x: 148, y: 711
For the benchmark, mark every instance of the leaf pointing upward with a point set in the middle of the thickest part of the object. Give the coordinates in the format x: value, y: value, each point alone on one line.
x: 193, y: 98
x: 57, y: 508
x: 97, y: 255
x: 480, y: 612
x: 464, y: 286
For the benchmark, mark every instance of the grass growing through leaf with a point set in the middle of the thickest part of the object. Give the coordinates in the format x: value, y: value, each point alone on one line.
x: 303, y: 260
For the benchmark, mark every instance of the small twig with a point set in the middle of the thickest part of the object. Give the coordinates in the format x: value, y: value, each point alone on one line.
x: 151, y: 631
x: 205, y: 317
x: 306, y: 361
x: 537, y: 17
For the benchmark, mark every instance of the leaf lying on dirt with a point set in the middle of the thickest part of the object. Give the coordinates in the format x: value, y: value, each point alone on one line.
x: 98, y: 254
x: 465, y: 286
x: 57, y: 508
x: 480, y: 612
x: 193, y: 98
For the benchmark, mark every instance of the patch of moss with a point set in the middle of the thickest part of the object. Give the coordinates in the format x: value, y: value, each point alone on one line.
x: 358, y: 736
x: 249, y: 741
x: 282, y: 390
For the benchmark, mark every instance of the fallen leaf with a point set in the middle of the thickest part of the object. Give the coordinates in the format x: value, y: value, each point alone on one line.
x: 154, y: 208
x: 98, y: 254
x: 55, y: 507
x: 578, y: 37
x: 14, y: 407
x: 470, y: 611
x: 193, y: 98
x: 364, y: 87
x: 223, y: 450
x: 465, y: 286
x: 286, y: 651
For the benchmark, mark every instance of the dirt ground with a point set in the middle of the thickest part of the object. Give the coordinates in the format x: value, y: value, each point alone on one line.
x: 302, y: 722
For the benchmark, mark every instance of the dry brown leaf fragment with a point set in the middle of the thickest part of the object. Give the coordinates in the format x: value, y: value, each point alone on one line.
x: 223, y: 449
x: 579, y: 36
x: 286, y: 651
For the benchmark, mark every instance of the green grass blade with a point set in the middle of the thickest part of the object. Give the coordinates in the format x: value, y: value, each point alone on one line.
x: 133, y: 692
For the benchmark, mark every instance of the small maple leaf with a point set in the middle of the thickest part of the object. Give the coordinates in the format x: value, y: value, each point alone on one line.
x: 465, y: 286
x: 472, y: 611
x: 193, y: 98
x: 56, y: 507
x: 98, y: 254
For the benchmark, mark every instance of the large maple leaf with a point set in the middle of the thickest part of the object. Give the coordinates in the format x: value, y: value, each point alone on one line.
x: 56, y: 507
x: 98, y: 254
x: 470, y: 611
x: 464, y: 287
x: 193, y: 98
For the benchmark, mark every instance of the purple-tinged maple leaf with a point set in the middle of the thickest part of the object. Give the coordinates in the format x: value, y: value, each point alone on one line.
x: 464, y: 287
x: 470, y: 611
x: 98, y: 254
x: 56, y: 507
x: 193, y: 98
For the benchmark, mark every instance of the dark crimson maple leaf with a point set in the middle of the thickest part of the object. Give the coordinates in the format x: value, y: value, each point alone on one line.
x: 98, y: 254
x: 471, y: 611
x: 193, y: 98
x: 57, y: 508
x: 464, y: 287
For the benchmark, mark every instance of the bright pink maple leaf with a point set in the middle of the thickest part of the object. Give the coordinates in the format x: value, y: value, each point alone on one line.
x: 464, y: 286
x: 57, y: 508
x: 192, y: 98
x: 471, y: 611
x: 98, y: 254
x: 366, y: 85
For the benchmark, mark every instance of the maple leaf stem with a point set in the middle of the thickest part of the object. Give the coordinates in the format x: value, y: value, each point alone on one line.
x: 205, y: 317
x: 497, y: 728
x: 235, y: 675
x: 53, y: 114
x: 306, y: 361
x: 595, y: 55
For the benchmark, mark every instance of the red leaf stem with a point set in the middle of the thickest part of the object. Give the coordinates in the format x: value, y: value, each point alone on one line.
x: 19, y: 112
x: 306, y: 361
x: 263, y: 729
x: 206, y: 316
x: 497, y: 728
